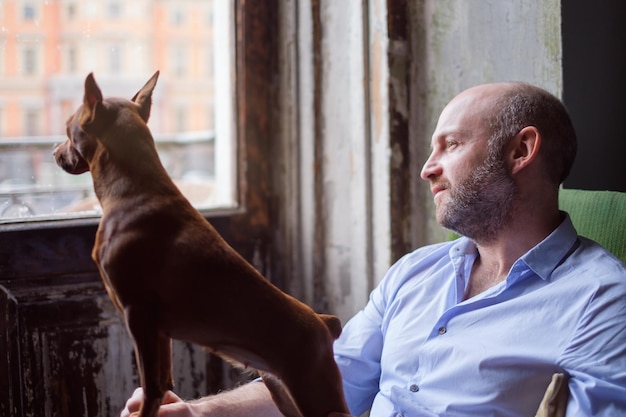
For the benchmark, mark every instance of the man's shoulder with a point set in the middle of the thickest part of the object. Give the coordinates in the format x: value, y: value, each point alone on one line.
x: 431, y: 252
x: 591, y: 265
x: 433, y: 257
x: 596, y: 258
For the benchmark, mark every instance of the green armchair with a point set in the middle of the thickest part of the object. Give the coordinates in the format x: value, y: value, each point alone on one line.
x: 598, y: 215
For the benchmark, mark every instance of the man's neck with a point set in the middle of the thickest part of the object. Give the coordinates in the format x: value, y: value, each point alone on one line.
x: 496, y: 256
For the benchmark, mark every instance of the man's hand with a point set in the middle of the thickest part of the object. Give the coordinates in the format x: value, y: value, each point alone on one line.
x: 251, y: 399
x: 173, y: 405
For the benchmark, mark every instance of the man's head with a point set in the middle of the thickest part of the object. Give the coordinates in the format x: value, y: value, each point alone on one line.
x: 485, y: 143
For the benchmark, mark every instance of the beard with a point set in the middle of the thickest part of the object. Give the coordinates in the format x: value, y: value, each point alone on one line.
x: 480, y: 206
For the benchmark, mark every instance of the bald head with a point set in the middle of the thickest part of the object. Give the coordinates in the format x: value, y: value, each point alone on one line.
x: 504, y: 109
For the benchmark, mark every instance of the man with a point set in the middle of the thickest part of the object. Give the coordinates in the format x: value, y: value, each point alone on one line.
x: 476, y: 327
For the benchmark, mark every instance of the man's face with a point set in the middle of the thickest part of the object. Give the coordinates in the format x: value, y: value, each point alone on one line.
x: 472, y: 188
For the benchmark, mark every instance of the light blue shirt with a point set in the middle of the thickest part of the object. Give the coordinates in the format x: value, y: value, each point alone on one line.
x: 418, y: 349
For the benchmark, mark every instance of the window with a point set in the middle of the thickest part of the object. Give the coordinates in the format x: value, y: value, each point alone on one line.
x: 122, y: 55
x: 180, y: 118
x: 179, y: 60
x: 114, y: 9
x: 207, y: 60
x: 29, y: 11
x: 178, y: 15
x: 115, y: 59
x: 29, y: 60
x: 70, y: 11
x: 71, y: 60
x: 31, y: 122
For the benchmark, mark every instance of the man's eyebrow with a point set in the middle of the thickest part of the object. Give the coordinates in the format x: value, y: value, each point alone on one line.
x: 454, y: 133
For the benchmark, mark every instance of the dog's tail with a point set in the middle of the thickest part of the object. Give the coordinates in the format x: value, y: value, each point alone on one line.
x: 333, y: 323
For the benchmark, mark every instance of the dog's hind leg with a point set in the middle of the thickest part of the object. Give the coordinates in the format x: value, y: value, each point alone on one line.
x: 153, y: 352
x: 281, y: 396
x: 317, y: 389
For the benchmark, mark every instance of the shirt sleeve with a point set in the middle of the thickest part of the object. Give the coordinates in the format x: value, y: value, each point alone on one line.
x: 596, y: 356
x: 359, y: 349
x: 358, y: 352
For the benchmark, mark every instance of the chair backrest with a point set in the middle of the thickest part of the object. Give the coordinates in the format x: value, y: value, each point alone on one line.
x: 598, y: 215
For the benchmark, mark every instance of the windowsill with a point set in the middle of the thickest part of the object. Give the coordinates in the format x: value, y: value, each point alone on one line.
x: 92, y: 220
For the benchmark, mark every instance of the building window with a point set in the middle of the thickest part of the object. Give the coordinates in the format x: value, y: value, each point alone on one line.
x: 29, y: 11
x: 70, y: 11
x: 180, y: 118
x: 178, y: 15
x: 179, y: 60
x: 115, y: 59
x: 71, y: 59
x: 114, y: 9
x: 32, y: 123
x: 208, y: 61
x: 29, y: 60
x: 2, y: 57
x: 121, y: 63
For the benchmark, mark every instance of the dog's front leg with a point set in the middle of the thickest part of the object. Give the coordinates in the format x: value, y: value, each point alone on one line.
x: 153, y: 353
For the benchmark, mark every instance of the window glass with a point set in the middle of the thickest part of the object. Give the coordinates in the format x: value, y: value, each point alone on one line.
x: 47, y: 48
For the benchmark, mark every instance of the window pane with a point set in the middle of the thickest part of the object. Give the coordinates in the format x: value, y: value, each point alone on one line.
x: 46, y: 50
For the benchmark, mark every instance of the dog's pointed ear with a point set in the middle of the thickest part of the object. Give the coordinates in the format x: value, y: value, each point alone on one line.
x: 143, y: 98
x: 91, y: 101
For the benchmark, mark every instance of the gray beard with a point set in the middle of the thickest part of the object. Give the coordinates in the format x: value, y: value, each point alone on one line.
x: 482, y: 205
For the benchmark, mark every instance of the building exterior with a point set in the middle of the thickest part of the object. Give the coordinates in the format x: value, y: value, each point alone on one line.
x: 47, y: 47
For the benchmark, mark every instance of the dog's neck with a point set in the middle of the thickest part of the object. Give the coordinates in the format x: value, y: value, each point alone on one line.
x: 129, y: 176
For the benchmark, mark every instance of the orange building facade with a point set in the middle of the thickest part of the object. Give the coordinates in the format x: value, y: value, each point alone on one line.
x: 47, y: 47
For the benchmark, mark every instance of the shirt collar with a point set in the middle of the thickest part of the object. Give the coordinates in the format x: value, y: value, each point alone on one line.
x: 543, y: 258
x: 550, y: 253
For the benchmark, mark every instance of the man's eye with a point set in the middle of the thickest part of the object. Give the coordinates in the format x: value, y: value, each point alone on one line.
x: 451, y: 144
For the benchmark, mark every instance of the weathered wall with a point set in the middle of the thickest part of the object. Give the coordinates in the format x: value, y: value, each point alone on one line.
x: 458, y: 44
x: 363, y: 82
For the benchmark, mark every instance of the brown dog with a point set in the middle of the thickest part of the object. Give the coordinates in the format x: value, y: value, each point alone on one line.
x: 171, y: 275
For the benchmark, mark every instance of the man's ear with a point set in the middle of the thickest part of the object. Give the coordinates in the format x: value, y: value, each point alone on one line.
x: 143, y: 98
x: 92, y: 101
x: 524, y: 148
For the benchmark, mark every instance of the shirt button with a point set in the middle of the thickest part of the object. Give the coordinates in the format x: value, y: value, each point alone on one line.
x: 442, y: 330
x: 414, y: 388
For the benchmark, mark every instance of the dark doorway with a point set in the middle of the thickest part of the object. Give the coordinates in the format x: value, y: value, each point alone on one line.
x: 594, y: 91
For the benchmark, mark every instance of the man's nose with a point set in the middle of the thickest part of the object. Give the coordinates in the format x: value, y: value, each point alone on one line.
x: 431, y: 168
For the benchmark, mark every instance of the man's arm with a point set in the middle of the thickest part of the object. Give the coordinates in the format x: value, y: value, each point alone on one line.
x: 595, y: 357
x: 252, y: 399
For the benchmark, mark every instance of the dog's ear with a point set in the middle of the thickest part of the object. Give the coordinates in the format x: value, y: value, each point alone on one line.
x: 92, y: 101
x: 143, y: 98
